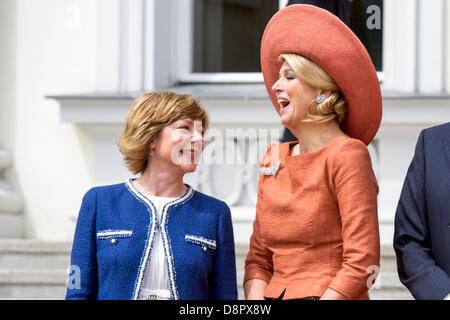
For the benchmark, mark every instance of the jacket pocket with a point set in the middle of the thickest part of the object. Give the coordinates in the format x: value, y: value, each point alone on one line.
x: 204, y: 242
x: 112, y: 234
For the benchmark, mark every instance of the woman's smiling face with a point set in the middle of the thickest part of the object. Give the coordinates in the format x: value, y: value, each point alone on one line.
x: 294, y: 97
x: 180, y: 144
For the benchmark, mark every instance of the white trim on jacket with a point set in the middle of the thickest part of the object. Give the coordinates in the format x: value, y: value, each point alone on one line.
x: 150, y: 237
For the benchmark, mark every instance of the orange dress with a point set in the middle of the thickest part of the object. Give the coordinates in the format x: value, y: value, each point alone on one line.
x: 316, y: 224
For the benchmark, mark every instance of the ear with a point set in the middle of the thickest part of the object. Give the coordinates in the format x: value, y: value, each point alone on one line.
x: 152, y: 145
x: 153, y: 141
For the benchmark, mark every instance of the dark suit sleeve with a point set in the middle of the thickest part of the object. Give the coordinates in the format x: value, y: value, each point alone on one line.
x: 223, y: 281
x: 82, y: 283
x: 416, y: 267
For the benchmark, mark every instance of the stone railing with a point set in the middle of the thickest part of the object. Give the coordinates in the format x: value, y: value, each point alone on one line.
x: 244, y: 121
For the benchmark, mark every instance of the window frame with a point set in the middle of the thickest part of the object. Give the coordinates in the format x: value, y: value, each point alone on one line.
x: 146, y: 56
x: 183, y: 35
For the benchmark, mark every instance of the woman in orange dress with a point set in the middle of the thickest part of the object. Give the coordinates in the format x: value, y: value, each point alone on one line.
x: 315, y: 235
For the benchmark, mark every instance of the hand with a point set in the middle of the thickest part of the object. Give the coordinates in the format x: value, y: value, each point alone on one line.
x: 254, y: 289
x: 331, y: 294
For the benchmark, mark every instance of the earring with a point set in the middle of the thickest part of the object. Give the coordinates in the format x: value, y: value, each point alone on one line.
x: 320, y: 99
x: 151, y: 153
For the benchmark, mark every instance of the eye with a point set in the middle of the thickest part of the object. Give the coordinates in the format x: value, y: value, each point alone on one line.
x: 290, y: 77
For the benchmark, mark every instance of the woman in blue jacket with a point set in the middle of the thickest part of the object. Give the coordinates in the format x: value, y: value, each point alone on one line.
x: 155, y: 237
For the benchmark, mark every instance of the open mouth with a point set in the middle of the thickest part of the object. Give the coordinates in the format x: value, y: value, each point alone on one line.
x: 284, y: 104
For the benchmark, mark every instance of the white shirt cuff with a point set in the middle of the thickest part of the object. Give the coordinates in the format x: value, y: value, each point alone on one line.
x: 447, y: 297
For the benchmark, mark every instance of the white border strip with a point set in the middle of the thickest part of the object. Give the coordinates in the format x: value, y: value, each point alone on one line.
x: 200, y: 240
x: 107, y: 234
x: 166, y: 244
x: 169, y: 257
x: 144, y: 259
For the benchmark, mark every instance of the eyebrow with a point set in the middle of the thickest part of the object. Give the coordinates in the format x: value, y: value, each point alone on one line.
x: 187, y: 120
x: 285, y: 70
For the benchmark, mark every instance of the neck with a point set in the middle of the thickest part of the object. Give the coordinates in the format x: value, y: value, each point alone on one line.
x: 314, y: 136
x: 161, y: 180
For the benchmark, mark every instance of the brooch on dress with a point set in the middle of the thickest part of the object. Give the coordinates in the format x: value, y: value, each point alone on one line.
x: 272, y: 170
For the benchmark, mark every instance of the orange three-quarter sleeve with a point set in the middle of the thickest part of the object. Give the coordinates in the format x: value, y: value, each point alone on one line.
x: 356, y: 191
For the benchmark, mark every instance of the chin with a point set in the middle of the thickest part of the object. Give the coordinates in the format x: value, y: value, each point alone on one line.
x: 292, y: 120
x: 189, y: 168
x: 285, y: 120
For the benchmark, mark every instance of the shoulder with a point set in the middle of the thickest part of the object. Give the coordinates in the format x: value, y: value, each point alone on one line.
x: 206, y: 203
x: 109, y: 188
x: 435, y: 135
x: 443, y: 129
x: 350, y: 152
x: 208, y: 200
x: 106, y: 191
x: 352, y: 166
x: 349, y: 146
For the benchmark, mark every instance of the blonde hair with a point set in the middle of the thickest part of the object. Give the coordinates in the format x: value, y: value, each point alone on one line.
x: 334, y: 106
x: 147, y: 116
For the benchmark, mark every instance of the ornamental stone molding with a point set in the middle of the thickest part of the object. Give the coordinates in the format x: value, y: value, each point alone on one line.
x: 11, y: 201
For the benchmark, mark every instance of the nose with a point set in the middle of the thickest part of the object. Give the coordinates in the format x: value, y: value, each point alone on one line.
x: 276, y: 86
x: 197, y: 141
x: 196, y: 136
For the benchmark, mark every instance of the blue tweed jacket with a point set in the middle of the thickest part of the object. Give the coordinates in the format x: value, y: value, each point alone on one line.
x: 113, y: 241
x: 422, y: 221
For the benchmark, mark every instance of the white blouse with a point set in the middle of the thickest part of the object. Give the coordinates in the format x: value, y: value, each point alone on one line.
x: 156, y: 280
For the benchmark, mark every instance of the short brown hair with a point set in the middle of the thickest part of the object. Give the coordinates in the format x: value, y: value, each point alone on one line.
x: 147, y: 116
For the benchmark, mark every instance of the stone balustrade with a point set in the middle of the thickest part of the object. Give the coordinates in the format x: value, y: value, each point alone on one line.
x: 244, y: 122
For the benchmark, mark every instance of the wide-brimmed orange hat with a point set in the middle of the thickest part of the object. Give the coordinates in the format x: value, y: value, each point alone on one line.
x: 321, y: 37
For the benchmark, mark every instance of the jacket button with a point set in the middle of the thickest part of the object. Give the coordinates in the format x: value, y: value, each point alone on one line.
x: 204, y: 249
x: 113, y: 241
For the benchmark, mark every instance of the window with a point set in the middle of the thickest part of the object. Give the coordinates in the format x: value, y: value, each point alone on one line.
x: 219, y: 40
x: 227, y: 34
